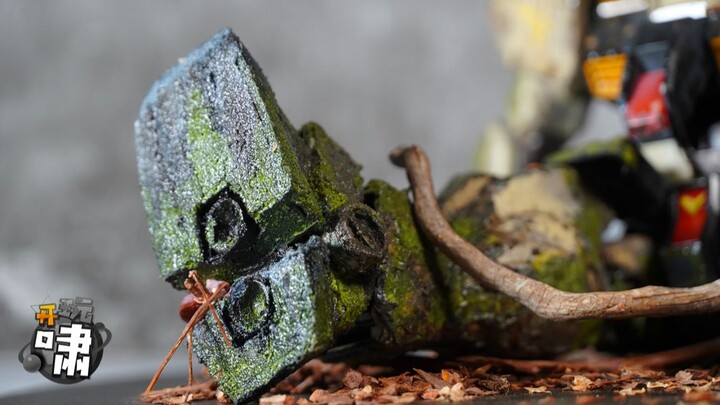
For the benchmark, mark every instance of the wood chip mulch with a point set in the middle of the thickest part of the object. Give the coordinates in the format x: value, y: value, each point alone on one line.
x: 338, y: 384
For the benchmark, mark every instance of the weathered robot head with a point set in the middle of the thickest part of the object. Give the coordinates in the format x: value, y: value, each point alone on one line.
x: 233, y: 191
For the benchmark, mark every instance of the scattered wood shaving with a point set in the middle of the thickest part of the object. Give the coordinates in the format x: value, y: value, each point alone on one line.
x: 339, y: 384
x: 537, y: 390
x: 182, y: 394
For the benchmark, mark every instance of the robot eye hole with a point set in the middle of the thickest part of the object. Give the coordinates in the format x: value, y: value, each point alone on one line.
x: 225, y: 225
x: 249, y: 309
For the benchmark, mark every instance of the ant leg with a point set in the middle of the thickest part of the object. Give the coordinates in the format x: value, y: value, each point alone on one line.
x: 190, y: 369
x: 191, y: 379
x: 204, y: 308
x: 200, y: 287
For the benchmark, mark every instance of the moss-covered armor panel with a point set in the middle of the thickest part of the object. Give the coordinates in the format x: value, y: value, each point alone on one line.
x: 235, y: 192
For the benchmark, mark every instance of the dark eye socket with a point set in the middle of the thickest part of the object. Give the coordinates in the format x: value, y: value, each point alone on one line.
x: 249, y: 308
x: 225, y: 226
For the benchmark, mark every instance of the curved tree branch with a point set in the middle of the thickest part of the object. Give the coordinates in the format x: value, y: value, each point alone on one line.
x: 541, y: 298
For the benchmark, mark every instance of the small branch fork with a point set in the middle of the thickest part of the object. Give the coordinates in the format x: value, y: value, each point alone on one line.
x: 541, y: 298
x: 206, y: 300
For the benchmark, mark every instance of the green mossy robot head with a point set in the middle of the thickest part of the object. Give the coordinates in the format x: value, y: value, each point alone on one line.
x: 233, y: 190
x: 217, y: 162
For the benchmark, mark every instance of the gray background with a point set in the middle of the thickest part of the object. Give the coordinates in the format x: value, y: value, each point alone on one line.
x: 72, y: 76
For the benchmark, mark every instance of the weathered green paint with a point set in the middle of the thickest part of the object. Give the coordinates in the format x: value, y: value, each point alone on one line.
x: 408, y: 306
x: 310, y: 307
x: 495, y: 321
x: 327, y: 251
x: 334, y: 175
x: 190, y: 146
x: 348, y: 300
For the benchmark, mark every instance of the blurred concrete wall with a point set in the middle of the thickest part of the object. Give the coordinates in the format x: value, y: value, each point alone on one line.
x: 375, y: 74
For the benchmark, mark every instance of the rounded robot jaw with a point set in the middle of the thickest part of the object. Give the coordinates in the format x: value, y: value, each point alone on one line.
x: 276, y: 321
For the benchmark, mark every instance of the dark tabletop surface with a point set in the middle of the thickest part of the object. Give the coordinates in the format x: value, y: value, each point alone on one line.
x: 127, y: 393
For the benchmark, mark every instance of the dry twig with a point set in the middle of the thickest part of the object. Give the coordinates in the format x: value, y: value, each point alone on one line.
x: 182, y: 394
x: 196, y: 287
x: 207, y: 301
x: 541, y: 298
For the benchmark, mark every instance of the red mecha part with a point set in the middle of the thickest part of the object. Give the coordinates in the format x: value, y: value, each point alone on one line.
x: 691, y: 215
x: 646, y: 112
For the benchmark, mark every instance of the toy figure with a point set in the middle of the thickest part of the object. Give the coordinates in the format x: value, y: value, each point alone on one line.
x: 657, y: 61
x: 310, y: 258
x: 315, y: 257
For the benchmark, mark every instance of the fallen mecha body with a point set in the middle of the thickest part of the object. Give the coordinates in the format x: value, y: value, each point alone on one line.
x: 315, y: 256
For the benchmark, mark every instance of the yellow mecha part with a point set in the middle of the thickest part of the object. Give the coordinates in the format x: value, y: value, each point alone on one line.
x: 542, y: 36
x: 715, y: 46
x: 604, y: 75
x: 541, y: 39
